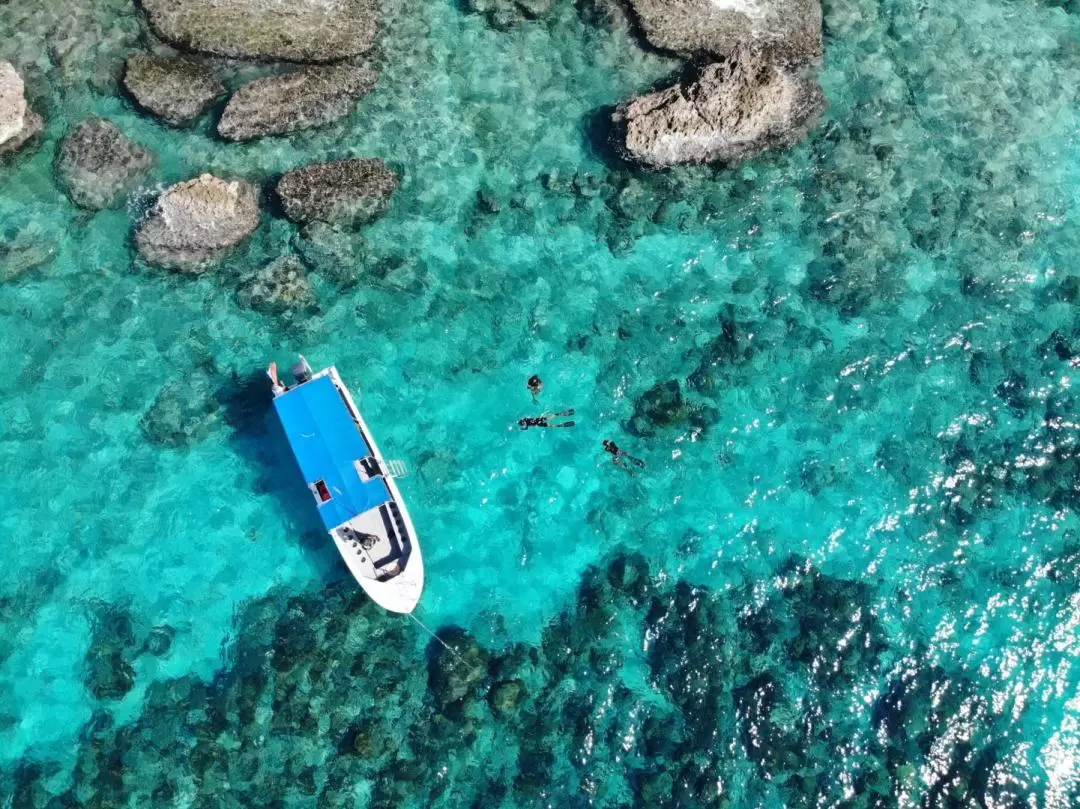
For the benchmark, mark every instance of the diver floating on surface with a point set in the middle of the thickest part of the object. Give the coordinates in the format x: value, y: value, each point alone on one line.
x: 353, y: 485
x: 545, y: 420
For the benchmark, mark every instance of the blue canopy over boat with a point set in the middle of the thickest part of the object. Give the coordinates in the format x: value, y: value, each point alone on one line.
x: 327, y: 443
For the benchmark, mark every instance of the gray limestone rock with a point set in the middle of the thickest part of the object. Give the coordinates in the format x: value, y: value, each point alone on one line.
x: 99, y: 166
x: 271, y: 30
x: 196, y: 223
x: 789, y: 29
x: 173, y: 88
x: 301, y: 100
x: 733, y: 110
x: 18, y: 123
x: 350, y: 192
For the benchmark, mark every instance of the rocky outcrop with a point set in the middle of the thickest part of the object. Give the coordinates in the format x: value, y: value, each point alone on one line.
x: 174, y: 89
x: 280, y: 288
x: 733, y: 110
x: 98, y: 165
x: 18, y: 123
x: 196, y: 223
x: 789, y: 29
x: 272, y: 30
x: 351, y: 192
x: 302, y: 100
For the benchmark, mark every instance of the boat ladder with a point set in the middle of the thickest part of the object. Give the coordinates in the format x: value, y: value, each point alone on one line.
x: 395, y: 469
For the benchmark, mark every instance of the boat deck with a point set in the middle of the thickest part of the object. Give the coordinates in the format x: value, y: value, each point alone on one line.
x: 356, y: 502
x: 328, y: 445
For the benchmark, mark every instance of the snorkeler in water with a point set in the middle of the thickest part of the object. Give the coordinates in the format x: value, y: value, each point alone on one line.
x: 620, y: 456
x: 536, y: 384
x: 545, y: 420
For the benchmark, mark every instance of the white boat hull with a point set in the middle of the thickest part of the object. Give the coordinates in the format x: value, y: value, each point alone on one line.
x: 401, y: 593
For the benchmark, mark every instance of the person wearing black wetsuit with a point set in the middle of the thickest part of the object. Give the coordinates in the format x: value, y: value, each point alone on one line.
x: 535, y: 385
x: 619, y: 456
x: 545, y: 420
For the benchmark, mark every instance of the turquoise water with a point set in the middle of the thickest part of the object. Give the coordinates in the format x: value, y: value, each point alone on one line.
x: 848, y: 578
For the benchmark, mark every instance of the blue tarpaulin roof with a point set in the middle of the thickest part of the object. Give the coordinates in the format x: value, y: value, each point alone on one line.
x: 326, y: 442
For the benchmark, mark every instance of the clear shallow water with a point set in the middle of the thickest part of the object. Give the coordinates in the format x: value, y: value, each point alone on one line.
x: 877, y: 329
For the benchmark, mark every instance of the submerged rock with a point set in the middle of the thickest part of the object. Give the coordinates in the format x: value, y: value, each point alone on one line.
x: 281, y: 287
x: 183, y: 412
x: 273, y: 30
x: 196, y: 223
x: 99, y: 165
x: 345, y: 191
x: 108, y: 674
x: 174, y: 89
x: 505, y: 697
x: 505, y: 14
x: 335, y: 252
x: 301, y: 100
x: 159, y: 641
x: 789, y: 29
x: 453, y: 675
x: 663, y: 406
x: 23, y: 251
x: 18, y: 123
x: 733, y: 110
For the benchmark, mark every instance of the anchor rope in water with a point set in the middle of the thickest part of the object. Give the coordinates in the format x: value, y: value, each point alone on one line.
x: 446, y: 645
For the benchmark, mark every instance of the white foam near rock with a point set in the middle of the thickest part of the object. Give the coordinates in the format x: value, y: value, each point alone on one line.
x: 18, y: 123
x: 12, y: 102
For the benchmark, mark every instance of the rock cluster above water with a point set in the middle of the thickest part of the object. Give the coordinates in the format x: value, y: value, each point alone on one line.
x: 790, y: 29
x: 173, y: 88
x: 197, y: 222
x: 758, y: 93
x: 18, y: 123
x: 273, y: 30
x: 100, y: 166
x: 301, y: 100
x: 732, y: 110
x: 350, y: 192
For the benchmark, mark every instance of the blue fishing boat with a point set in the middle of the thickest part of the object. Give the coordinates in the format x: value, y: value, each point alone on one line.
x: 354, y: 487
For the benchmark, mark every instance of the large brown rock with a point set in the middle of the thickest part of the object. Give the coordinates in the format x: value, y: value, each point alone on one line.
x: 196, y: 223
x: 350, y: 192
x: 733, y: 110
x: 99, y: 166
x: 272, y: 30
x: 789, y: 29
x: 18, y: 123
x: 302, y: 100
x: 173, y: 88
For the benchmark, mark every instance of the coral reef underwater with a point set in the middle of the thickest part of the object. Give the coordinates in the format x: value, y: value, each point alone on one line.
x: 648, y: 691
